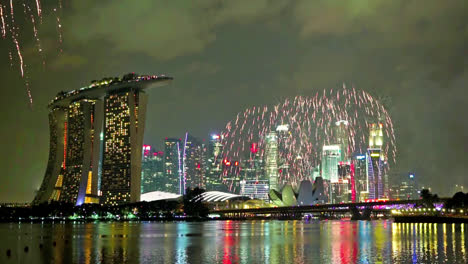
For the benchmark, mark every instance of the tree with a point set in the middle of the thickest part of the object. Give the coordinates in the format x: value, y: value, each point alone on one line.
x: 194, y: 207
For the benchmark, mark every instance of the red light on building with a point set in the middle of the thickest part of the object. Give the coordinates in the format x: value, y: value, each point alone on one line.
x: 254, y: 148
x: 198, y: 166
x: 236, y: 163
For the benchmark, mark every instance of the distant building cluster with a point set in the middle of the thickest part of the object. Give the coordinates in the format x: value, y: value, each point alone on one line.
x: 97, y: 156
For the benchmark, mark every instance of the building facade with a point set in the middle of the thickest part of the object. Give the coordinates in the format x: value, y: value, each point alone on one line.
x: 173, y: 166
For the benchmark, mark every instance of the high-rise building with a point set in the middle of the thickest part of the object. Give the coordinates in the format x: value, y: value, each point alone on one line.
x: 79, y: 183
x: 271, y: 160
x: 214, y: 164
x: 377, y: 180
x: 192, y: 171
x: 254, y: 183
x: 341, y: 135
x: 360, y: 176
x: 284, y: 173
x: 173, y: 166
x: 152, y: 170
x: 96, y: 140
x: 331, y: 155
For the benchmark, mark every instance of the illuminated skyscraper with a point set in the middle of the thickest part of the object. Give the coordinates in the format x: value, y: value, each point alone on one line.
x: 283, y: 152
x: 360, y: 176
x: 330, y: 159
x: 114, y: 108
x: 214, y: 165
x: 376, y: 163
x: 82, y: 153
x: 173, y: 166
x: 254, y: 183
x: 152, y: 170
x: 123, y: 140
x: 341, y: 135
x: 192, y: 162
x: 271, y: 160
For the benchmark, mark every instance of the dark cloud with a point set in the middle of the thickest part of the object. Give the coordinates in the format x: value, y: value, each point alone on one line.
x: 229, y: 55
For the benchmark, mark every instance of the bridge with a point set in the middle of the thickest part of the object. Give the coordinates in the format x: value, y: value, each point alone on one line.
x: 357, y: 211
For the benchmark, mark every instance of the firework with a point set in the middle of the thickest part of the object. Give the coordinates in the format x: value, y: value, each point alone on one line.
x: 10, y: 30
x: 310, y: 123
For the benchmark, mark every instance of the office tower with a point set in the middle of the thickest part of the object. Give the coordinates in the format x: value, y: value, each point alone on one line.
x: 360, y: 175
x: 284, y: 173
x: 173, y: 166
x: 152, y: 170
x: 271, y: 160
x: 214, y: 164
x: 96, y: 140
x: 79, y: 185
x: 254, y: 183
x: 330, y: 158
x: 341, y: 136
x: 376, y: 163
x: 192, y: 163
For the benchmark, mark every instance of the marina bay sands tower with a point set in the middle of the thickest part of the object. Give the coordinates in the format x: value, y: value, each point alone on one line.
x: 96, y: 136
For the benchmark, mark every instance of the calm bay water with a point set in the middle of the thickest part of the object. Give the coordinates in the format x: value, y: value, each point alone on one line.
x: 234, y: 242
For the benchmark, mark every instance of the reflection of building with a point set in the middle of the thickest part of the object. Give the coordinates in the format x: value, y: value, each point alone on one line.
x: 172, y: 166
x: 152, y: 170
x: 271, y: 160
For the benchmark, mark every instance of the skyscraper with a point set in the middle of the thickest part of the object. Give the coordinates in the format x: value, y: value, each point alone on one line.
x: 192, y: 162
x: 214, y: 164
x: 361, y: 177
x: 341, y: 136
x: 330, y: 159
x: 114, y: 108
x: 173, y: 166
x: 82, y: 153
x: 254, y: 183
x: 271, y: 160
x: 152, y: 170
x: 376, y: 163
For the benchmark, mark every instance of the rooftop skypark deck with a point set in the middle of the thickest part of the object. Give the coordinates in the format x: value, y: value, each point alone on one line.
x: 98, y: 89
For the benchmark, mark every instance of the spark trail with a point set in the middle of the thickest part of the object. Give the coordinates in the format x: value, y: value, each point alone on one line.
x: 10, y: 30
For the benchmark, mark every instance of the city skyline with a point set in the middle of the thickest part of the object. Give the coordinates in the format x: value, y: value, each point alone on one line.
x: 249, y: 55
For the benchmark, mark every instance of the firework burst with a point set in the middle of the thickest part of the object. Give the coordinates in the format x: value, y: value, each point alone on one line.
x: 311, y: 125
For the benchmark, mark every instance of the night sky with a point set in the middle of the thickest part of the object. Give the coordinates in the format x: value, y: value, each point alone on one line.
x: 226, y: 56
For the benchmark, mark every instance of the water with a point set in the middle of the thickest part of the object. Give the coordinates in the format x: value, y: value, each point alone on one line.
x: 234, y: 242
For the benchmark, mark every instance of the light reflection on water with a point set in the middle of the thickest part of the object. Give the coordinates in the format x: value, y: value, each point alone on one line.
x: 235, y: 242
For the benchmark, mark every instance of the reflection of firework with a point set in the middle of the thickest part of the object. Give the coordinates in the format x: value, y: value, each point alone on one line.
x: 305, y: 125
x: 10, y: 29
